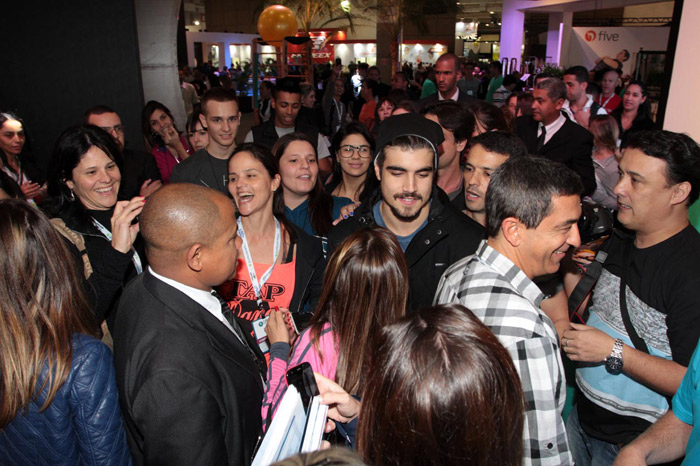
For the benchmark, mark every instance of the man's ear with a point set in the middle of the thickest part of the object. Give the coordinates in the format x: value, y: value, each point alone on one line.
x: 511, y: 228
x: 378, y: 171
x: 460, y: 145
x: 202, y: 120
x: 680, y: 193
x: 272, y: 101
x: 194, y: 257
x: 559, y: 104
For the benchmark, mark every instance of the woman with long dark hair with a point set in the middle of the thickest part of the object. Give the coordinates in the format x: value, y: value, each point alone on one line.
x: 15, y: 160
x: 166, y: 143
x: 440, y: 390
x: 635, y: 112
x: 58, y: 396
x: 308, y: 205
x: 353, y: 174
x: 278, y: 264
x: 83, y: 184
x: 365, y: 288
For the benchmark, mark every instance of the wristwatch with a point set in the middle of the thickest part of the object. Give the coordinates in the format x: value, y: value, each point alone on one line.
x: 613, y: 363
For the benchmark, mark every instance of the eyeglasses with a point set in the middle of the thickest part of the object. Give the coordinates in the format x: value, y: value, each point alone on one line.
x: 347, y: 151
x: 113, y: 129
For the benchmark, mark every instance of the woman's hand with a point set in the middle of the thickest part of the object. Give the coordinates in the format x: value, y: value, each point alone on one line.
x: 149, y: 187
x: 345, y: 212
x: 277, y: 329
x: 341, y: 406
x: 30, y: 189
x: 123, y: 232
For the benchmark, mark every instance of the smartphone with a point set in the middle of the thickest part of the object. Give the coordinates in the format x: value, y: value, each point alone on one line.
x: 302, y: 377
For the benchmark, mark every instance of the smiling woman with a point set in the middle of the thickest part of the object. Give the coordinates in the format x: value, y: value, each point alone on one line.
x: 14, y: 159
x: 278, y: 265
x: 307, y: 204
x: 165, y: 142
x: 83, y: 183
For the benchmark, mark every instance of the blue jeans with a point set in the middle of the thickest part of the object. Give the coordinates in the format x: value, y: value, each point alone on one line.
x: 586, y: 450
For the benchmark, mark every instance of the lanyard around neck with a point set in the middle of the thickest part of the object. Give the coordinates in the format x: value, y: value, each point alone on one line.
x: 108, y: 234
x: 257, y: 285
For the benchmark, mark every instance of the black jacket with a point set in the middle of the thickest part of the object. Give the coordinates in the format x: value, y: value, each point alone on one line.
x: 111, y: 269
x: 266, y: 135
x: 448, y: 236
x: 462, y: 98
x: 572, y: 145
x: 189, y: 390
x: 308, y: 278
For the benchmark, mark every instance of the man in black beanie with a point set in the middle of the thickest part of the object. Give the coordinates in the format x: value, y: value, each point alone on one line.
x: 431, y: 232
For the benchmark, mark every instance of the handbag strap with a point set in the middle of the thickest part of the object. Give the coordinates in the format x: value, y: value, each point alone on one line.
x: 631, y: 332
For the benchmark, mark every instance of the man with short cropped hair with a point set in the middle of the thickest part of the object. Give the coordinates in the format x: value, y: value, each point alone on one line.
x: 375, y: 74
x: 209, y: 166
x: 487, y: 152
x: 635, y: 346
x: 190, y: 379
x: 140, y: 174
x: 608, y: 99
x: 447, y: 73
x: 457, y: 125
x: 286, y: 102
x: 532, y: 209
x: 431, y: 232
x: 548, y: 133
x: 579, y: 106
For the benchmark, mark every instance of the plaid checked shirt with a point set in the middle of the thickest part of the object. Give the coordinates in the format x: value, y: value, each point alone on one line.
x: 507, y: 301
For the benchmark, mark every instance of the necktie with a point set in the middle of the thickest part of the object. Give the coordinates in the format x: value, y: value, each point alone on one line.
x: 238, y: 331
x: 540, y: 139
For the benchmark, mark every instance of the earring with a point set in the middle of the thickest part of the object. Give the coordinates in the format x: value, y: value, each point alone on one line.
x: 72, y: 196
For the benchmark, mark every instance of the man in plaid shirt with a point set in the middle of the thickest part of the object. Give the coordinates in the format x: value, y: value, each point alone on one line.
x: 532, y: 209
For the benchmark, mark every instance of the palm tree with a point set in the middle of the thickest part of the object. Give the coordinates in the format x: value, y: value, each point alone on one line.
x: 392, y: 15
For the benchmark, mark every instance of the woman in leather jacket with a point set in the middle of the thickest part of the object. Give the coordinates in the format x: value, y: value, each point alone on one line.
x: 58, y: 396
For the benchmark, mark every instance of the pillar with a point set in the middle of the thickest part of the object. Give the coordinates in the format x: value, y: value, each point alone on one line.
x: 512, y: 28
x: 156, y: 23
x: 558, y: 34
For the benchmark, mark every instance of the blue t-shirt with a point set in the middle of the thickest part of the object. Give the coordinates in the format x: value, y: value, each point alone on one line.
x: 404, y: 241
x: 686, y: 403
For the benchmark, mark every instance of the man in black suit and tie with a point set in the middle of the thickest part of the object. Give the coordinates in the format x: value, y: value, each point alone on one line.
x: 550, y: 134
x: 447, y: 73
x: 190, y: 379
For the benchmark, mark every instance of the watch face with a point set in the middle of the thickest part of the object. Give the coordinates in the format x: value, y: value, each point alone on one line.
x: 613, y: 365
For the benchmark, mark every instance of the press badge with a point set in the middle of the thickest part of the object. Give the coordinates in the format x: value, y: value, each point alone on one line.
x: 260, y: 334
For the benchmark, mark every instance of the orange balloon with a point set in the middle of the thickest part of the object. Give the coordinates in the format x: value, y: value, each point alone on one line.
x: 276, y: 22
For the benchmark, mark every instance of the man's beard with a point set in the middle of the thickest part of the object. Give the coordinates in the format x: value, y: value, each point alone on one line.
x: 405, y: 214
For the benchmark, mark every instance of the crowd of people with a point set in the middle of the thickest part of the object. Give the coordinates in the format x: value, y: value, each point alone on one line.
x: 424, y: 245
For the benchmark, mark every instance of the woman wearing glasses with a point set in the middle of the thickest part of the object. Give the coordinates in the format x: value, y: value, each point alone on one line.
x: 354, y: 174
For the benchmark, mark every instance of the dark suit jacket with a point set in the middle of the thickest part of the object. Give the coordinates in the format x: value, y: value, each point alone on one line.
x: 190, y: 392
x: 433, y: 98
x: 572, y: 145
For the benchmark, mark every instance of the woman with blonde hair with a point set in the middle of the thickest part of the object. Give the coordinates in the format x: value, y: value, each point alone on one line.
x: 606, y: 156
x: 58, y: 396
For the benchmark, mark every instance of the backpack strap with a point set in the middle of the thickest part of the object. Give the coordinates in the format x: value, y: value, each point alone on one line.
x: 77, y: 240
